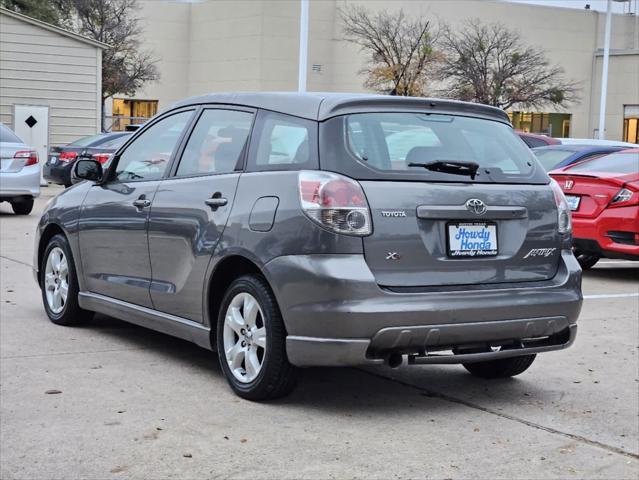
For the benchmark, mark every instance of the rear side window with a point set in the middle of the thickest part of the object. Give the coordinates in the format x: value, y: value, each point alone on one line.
x: 551, y: 158
x: 8, y: 136
x: 623, y: 162
x: 380, y: 146
x: 283, y: 142
x: 216, y: 143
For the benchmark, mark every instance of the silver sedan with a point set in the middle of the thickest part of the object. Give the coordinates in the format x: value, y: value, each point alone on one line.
x: 19, y: 172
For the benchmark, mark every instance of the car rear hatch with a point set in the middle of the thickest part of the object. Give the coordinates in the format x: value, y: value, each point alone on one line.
x: 435, y: 226
x: 588, y: 195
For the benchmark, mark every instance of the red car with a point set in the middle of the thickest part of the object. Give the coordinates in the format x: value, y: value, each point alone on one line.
x: 534, y: 140
x: 603, y: 194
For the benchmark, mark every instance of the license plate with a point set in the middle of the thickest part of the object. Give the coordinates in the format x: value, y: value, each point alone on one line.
x: 573, y: 201
x: 472, y: 239
x: 53, y: 160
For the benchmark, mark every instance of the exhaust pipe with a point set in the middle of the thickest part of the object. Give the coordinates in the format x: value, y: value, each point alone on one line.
x: 394, y: 360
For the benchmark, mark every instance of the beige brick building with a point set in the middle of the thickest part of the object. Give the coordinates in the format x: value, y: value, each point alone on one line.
x: 209, y: 46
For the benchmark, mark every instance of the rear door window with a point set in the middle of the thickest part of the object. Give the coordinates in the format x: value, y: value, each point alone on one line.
x: 217, y: 143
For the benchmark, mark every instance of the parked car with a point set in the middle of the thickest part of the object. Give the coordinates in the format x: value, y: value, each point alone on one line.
x: 19, y: 172
x: 58, y: 167
x: 535, y: 140
x: 558, y: 156
x: 283, y: 234
x: 603, y: 194
x: 595, y: 142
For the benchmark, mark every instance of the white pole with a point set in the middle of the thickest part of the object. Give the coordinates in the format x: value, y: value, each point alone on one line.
x: 301, y: 81
x: 604, y: 74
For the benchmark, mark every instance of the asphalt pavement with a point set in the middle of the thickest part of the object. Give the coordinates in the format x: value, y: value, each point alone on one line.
x: 113, y: 400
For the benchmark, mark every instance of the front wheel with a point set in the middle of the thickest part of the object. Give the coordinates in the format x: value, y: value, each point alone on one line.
x: 22, y: 207
x: 501, y: 368
x: 59, y: 284
x: 251, y: 341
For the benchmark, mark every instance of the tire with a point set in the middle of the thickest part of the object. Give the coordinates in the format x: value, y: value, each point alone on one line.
x: 22, y: 207
x: 69, y: 312
x: 587, y: 261
x: 264, y: 341
x: 502, y: 368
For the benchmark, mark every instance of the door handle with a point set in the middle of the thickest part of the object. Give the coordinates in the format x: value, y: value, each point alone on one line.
x: 141, y: 202
x: 216, y: 201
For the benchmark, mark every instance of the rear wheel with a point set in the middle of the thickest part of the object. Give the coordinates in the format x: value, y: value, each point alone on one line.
x: 502, y: 368
x: 251, y: 341
x: 587, y: 261
x: 22, y: 207
x: 59, y: 284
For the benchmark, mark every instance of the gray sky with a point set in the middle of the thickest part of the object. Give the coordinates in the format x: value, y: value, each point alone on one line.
x: 594, y: 4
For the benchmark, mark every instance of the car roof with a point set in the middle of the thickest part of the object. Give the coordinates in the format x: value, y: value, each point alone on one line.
x: 321, y: 106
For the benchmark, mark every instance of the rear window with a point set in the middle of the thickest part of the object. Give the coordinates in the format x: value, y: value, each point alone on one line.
x: 549, y: 159
x: 613, y: 163
x: 386, y: 145
x: 114, y: 143
x: 8, y: 136
x: 93, y: 140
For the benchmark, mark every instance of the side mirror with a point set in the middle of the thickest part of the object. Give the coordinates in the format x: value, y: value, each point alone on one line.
x: 87, y: 169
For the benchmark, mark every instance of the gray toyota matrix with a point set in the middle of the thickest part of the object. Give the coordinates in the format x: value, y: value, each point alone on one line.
x: 289, y: 230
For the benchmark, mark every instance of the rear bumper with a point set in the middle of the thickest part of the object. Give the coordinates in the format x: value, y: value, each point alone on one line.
x: 593, y: 236
x: 25, y: 183
x: 59, y: 173
x: 336, y: 314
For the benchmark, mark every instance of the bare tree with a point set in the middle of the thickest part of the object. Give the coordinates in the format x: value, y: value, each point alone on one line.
x: 488, y: 63
x: 125, y: 67
x: 400, y: 49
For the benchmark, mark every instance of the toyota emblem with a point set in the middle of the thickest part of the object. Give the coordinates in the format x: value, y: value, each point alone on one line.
x: 476, y: 206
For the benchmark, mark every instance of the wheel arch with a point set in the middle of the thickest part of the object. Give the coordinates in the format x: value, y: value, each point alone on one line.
x: 50, y: 231
x: 226, y: 270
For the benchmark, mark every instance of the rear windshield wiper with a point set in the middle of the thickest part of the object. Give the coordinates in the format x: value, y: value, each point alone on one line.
x: 449, y: 166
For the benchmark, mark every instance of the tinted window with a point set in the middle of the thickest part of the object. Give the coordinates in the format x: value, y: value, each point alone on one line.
x: 613, y: 163
x: 147, y: 158
x: 8, y: 136
x: 549, y: 159
x: 533, y: 142
x: 216, y: 143
x: 284, y: 143
x: 380, y: 146
x: 90, y: 140
x: 115, y: 143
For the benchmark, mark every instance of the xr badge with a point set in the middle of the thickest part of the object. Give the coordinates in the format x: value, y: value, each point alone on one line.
x: 393, y: 256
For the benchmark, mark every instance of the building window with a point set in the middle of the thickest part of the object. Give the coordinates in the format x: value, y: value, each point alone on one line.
x: 631, y: 123
x: 130, y: 111
x: 553, y: 124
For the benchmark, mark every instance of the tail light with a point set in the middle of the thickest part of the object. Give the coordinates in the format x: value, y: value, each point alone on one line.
x: 622, y: 196
x: 102, y: 157
x: 335, y: 202
x: 31, y: 156
x: 67, y: 156
x: 564, y: 218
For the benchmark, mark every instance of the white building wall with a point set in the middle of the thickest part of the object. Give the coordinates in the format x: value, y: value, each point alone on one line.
x: 42, y: 67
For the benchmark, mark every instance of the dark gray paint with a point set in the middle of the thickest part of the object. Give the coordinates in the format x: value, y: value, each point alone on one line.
x: 327, y: 285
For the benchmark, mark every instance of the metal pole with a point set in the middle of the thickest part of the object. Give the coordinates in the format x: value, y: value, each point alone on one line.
x: 301, y: 81
x: 604, y: 74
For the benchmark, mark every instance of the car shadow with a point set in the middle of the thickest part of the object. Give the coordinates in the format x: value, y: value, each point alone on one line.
x: 345, y: 391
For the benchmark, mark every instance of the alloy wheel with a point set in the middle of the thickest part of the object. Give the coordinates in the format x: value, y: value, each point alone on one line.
x: 244, y: 337
x: 56, y: 280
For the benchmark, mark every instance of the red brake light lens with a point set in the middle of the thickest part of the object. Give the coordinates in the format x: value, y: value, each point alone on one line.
x: 67, y: 156
x: 335, y: 202
x: 31, y: 156
x: 102, y: 157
